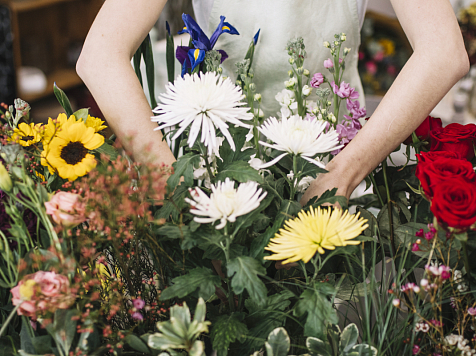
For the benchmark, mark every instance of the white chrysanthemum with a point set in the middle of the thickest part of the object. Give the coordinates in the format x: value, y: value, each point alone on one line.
x: 225, y: 203
x: 205, y: 103
x: 305, y: 138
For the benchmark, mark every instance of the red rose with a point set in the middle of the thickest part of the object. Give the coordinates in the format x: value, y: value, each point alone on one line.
x: 454, y: 203
x: 432, y: 173
x: 428, y: 157
x: 423, y: 131
x: 456, y: 138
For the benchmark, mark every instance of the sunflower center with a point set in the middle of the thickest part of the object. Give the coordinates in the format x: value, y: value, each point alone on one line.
x: 27, y: 138
x: 73, y: 152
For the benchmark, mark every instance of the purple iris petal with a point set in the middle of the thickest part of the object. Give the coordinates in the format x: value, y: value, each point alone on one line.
x: 199, y: 39
x: 255, y: 38
x: 222, y: 27
x: 223, y: 55
x: 182, y: 54
x: 195, y: 60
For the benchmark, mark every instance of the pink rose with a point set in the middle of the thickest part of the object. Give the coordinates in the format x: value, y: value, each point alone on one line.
x: 42, y: 292
x: 66, y: 209
x: 328, y: 63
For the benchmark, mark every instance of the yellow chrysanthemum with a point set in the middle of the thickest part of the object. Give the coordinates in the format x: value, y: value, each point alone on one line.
x: 68, y: 151
x: 96, y: 123
x: 313, y: 232
x: 27, y: 135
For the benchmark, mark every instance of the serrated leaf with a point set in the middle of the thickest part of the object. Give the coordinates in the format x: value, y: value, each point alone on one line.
x: 183, y: 167
x: 328, y: 197
x: 202, y: 278
x: 173, y: 204
x: 278, y: 343
x: 226, y: 330
x: 371, y: 221
x: 63, y: 100
x: 240, y: 171
x: 244, y: 271
x: 319, y: 310
x: 348, y: 338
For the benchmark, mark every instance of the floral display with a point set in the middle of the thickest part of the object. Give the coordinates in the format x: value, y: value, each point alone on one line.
x: 101, y: 255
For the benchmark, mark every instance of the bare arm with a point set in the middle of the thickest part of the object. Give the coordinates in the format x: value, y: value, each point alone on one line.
x: 105, y: 67
x: 438, y: 62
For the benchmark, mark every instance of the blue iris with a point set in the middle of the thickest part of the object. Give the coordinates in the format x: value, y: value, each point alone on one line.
x: 191, y: 57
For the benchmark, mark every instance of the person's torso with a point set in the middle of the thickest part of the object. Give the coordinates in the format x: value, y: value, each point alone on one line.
x: 280, y: 21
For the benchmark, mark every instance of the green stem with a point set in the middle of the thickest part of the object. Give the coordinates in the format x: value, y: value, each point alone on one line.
x: 226, y: 249
x: 293, y: 183
x: 389, y: 206
x: 303, y: 266
x: 5, y: 324
x: 209, y: 170
x: 374, y: 183
x: 317, y: 257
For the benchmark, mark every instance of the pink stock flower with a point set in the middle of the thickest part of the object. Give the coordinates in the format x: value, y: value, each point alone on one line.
x: 66, y: 209
x: 328, y: 63
x: 137, y: 316
x: 317, y: 80
x: 42, y: 292
x: 355, y: 109
x: 345, y: 91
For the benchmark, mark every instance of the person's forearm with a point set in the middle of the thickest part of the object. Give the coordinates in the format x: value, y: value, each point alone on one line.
x: 438, y: 62
x: 105, y: 68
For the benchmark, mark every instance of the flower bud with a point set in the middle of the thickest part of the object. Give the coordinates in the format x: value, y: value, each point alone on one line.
x: 219, y: 70
x: 259, y: 113
x: 328, y: 63
x: 5, y: 180
x: 343, y: 37
x: 324, y: 112
x: 332, y: 118
x: 306, y: 90
x: 300, y: 70
x: 291, y: 73
x: 329, y: 103
x: 306, y: 73
x: 238, y: 83
x: 424, y: 283
x: 396, y: 302
x: 257, y: 97
x: 252, y: 87
x: 336, y: 43
x: 327, y: 44
x: 346, y: 51
x: 291, y: 60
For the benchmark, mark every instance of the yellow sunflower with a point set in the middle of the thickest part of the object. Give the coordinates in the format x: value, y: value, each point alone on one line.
x: 54, y: 126
x: 96, y: 123
x: 27, y: 135
x: 313, y: 232
x: 68, y: 151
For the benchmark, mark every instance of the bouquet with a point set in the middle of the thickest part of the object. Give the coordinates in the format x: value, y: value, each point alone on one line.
x: 216, y: 252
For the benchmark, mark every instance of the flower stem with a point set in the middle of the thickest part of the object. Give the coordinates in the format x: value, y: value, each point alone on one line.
x: 5, y: 324
x: 209, y: 170
x: 374, y: 183
x: 389, y: 206
x: 303, y: 266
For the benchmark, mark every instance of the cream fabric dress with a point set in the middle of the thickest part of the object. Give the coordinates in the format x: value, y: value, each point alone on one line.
x: 280, y: 21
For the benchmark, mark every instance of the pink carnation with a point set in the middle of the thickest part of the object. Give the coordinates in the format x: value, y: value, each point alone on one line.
x: 42, y: 292
x: 66, y: 209
x: 328, y: 63
x: 317, y: 80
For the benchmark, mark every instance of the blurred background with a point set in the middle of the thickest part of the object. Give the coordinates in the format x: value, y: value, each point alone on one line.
x: 40, y: 41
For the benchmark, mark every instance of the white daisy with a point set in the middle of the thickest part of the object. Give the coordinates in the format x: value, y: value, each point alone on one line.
x: 225, y: 203
x: 305, y: 138
x: 204, y: 102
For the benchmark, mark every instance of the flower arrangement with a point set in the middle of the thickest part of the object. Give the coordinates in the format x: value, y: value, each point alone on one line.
x: 102, y: 255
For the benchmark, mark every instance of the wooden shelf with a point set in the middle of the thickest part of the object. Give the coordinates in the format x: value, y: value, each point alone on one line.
x: 48, y: 34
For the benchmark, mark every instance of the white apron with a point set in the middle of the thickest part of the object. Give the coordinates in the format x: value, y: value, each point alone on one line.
x: 280, y: 21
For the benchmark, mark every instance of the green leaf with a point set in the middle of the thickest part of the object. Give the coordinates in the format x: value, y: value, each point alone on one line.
x: 384, y: 222
x: 170, y: 55
x: 463, y: 237
x: 226, y: 330
x: 42, y: 344
x: 148, y: 56
x: 81, y: 114
x: 183, y: 167
x: 371, y: 221
x: 348, y: 338
x: 240, y: 171
x: 136, y: 60
x: 319, y: 310
x: 328, y: 197
x: 63, y: 329
x: 108, y: 150
x: 137, y: 344
x: 318, y: 347
x: 63, y: 100
x: 278, y: 343
x: 245, y: 271
x: 200, y: 277
x: 364, y: 350
x: 174, y: 204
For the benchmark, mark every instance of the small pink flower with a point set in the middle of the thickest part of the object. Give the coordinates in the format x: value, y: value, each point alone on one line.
x: 66, y: 209
x: 416, y: 349
x: 429, y: 235
x: 345, y: 90
x: 317, y: 80
x: 328, y: 63
x: 472, y: 311
x: 137, y: 316
x: 379, y: 56
x: 371, y: 67
x: 138, y: 303
x: 419, y: 233
x: 341, y: 60
x: 415, y: 247
x: 355, y: 109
